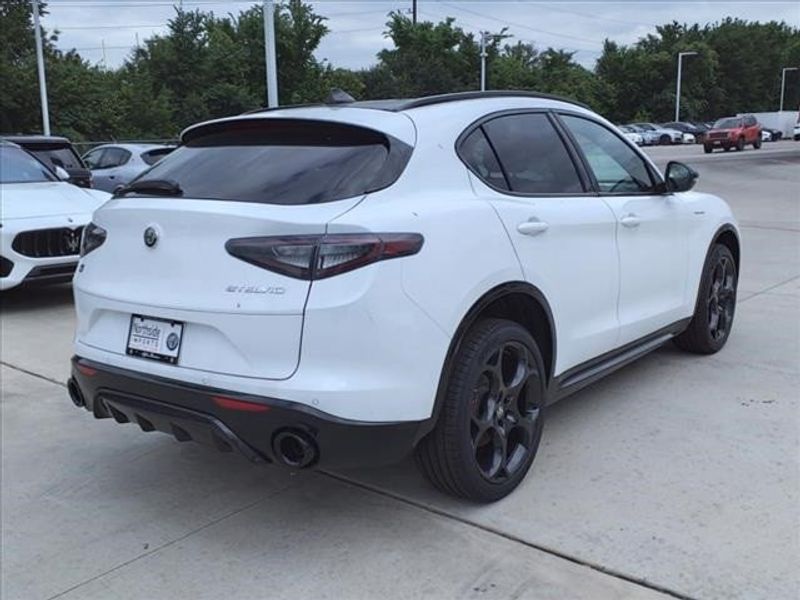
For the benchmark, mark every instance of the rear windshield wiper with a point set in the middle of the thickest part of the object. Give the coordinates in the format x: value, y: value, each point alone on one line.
x: 152, y: 187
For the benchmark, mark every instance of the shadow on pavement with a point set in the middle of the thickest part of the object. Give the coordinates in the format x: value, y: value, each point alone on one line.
x: 32, y: 298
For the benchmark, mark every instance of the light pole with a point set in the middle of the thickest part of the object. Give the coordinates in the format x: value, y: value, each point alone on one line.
x: 40, y: 69
x: 783, y: 82
x: 270, y: 57
x: 678, y: 85
x: 484, y: 35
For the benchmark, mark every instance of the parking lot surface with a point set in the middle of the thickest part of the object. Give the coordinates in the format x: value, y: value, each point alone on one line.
x: 678, y: 476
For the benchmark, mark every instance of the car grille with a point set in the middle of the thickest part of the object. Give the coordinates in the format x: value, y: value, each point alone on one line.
x: 717, y: 135
x: 48, y: 242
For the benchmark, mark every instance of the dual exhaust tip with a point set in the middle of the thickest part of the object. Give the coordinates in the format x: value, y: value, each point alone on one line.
x: 294, y: 448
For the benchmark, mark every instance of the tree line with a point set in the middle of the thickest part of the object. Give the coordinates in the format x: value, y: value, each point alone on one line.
x: 208, y: 66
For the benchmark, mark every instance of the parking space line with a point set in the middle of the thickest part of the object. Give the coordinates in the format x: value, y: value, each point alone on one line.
x: 547, y: 550
x: 170, y: 543
x: 33, y: 373
x: 767, y: 290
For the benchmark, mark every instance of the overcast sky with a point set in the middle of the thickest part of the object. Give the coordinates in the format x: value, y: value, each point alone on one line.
x: 357, y: 26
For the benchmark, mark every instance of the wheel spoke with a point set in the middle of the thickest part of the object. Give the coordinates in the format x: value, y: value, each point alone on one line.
x: 505, y: 412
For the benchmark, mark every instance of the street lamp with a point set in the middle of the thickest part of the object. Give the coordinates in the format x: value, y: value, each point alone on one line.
x: 678, y: 87
x: 783, y: 82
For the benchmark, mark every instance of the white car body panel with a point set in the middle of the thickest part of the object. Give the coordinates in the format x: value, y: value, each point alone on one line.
x: 370, y: 344
x: 37, y: 206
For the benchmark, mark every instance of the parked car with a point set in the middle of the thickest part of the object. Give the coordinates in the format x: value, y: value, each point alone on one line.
x: 41, y: 219
x: 664, y: 135
x: 633, y: 135
x: 733, y: 132
x: 114, y: 165
x: 649, y: 138
x: 771, y: 135
x: 691, y: 132
x: 54, y: 152
x: 340, y: 285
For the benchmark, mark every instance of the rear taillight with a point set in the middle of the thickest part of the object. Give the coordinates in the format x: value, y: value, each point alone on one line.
x: 93, y: 238
x: 319, y: 256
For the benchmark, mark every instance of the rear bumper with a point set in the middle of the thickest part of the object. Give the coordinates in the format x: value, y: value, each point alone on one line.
x: 195, y: 413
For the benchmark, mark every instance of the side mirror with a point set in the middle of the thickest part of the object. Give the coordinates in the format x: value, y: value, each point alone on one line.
x: 680, y: 177
x: 61, y: 173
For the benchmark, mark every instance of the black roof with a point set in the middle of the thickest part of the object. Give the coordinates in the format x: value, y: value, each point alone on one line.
x: 401, y: 104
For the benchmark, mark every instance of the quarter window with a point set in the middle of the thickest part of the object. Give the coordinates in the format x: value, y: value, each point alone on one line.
x: 616, y: 166
x: 532, y: 154
x: 92, y: 159
x: 479, y: 156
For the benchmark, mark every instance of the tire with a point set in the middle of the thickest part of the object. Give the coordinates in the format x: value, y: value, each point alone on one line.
x: 491, y: 419
x: 716, y: 304
x: 708, y: 149
x: 740, y: 144
x: 757, y: 143
x: 665, y: 140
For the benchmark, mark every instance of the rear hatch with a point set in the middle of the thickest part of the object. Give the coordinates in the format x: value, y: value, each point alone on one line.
x: 231, y: 180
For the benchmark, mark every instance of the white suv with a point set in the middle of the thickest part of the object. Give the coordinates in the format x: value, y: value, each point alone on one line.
x: 339, y: 285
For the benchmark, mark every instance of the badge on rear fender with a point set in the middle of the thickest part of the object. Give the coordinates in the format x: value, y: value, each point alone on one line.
x: 255, y: 289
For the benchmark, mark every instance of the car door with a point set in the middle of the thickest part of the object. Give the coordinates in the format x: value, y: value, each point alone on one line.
x: 651, y: 229
x: 563, y: 234
x: 751, y: 129
x: 107, y: 166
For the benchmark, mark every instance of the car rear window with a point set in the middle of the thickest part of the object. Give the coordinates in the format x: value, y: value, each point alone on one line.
x: 53, y: 157
x: 281, y: 161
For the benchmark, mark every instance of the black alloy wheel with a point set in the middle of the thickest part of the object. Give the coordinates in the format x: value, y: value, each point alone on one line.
x: 504, y: 412
x: 721, y: 300
x: 491, y: 416
x: 712, y: 322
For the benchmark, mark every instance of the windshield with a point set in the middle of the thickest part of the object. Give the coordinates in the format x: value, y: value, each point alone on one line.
x: 276, y: 161
x: 729, y: 123
x: 17, y: 166
x: 57, y: 157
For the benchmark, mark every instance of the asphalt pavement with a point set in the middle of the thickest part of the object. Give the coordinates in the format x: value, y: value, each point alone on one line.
x: 678, y: 476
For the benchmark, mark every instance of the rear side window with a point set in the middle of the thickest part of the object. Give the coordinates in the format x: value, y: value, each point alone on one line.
x: 532, y: 154
x: 282, y: 161
x: 114, y: 157
x: 617, y: 167
x: 151, y: 157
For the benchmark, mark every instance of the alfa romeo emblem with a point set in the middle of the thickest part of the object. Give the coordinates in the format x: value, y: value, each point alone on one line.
x: 150, y: 237
x: 172, y: 341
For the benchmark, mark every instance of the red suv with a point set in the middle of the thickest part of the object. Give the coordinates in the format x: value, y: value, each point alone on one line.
x: 733, y: 132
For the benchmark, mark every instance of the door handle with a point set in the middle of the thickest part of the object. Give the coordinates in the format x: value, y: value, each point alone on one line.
x: 533, y: 226
x: 630, y: 220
